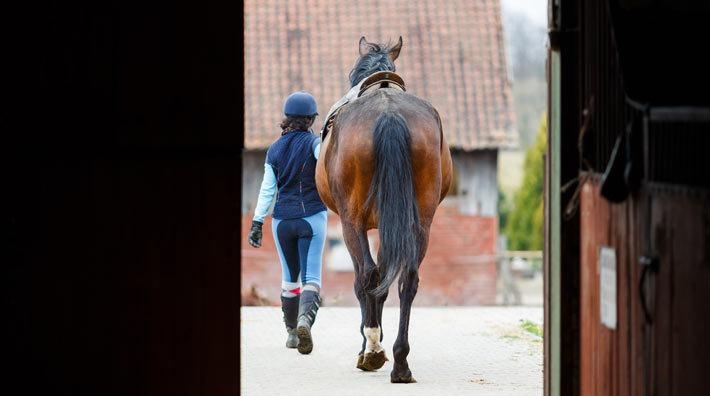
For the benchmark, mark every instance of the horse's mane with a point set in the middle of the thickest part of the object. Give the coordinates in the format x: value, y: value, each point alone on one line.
x: 375, y: 60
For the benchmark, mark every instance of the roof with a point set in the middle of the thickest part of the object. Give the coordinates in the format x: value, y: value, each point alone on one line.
x: 453, y: 55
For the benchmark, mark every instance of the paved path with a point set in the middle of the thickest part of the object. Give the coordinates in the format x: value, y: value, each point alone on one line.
x: 454, y: 351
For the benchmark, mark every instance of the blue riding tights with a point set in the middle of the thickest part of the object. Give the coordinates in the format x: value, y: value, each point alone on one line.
x: 300, y: 244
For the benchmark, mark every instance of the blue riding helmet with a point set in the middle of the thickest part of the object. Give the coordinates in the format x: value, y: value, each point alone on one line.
x: 300, y: 104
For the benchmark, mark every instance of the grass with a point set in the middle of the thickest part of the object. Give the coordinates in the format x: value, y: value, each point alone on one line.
x: 531, y: 327
x: 510, y: 336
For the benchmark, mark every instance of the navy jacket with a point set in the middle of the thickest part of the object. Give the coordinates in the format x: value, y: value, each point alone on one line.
x: 294, y: 165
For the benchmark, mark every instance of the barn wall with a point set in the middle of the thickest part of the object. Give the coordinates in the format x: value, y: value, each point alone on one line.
x: 252, y: 175
x: 668, y: 355
x: 609, y: 358
x: 679, y: 292
x: 477, y: 181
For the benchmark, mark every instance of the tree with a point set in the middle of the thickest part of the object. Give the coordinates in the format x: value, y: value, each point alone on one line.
x: 524, y: 225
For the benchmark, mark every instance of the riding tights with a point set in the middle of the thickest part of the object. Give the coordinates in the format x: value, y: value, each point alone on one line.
x: 300, y: 244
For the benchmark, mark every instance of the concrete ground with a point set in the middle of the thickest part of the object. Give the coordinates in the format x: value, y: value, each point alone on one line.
x: 454, y: 351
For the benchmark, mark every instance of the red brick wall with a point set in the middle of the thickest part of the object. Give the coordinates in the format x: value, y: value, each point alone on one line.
x: 459, y: 267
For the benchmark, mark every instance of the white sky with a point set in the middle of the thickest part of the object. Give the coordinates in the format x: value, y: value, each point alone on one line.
x: 535, y: 9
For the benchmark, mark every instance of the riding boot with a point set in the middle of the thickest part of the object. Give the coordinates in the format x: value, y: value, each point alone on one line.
x: 310, y: 302
x: 289, y: 306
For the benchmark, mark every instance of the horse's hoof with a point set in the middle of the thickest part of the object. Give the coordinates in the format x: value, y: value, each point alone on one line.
x: 371, y: 361
x: 402, y: 378
x: 359, y: 363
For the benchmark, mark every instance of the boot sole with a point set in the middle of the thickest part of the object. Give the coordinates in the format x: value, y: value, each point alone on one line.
x: 305, y: 343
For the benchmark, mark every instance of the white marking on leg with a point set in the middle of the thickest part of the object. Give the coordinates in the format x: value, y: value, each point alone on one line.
x: 372, y: 334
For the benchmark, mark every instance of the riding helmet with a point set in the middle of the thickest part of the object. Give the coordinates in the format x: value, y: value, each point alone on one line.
x: 300, y: 104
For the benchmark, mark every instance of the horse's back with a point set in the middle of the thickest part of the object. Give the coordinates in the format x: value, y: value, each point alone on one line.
x: 347, y: 162
x: 356, y: 122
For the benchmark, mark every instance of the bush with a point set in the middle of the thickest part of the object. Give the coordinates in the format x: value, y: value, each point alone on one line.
x: 524, y: 223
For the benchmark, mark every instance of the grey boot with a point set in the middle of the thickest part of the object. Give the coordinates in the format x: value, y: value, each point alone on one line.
x: 289, y: 306
x: 310, y: 302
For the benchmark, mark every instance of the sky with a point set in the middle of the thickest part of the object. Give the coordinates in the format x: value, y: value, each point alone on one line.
x: 535, y: 9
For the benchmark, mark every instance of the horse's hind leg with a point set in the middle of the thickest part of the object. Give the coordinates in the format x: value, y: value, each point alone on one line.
x: 380, y: 305
x: 372, y: 355
x: 407, y: 291
x: 374, y: 360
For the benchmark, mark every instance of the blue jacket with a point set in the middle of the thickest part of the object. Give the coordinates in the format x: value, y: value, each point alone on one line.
x: 291, y: 167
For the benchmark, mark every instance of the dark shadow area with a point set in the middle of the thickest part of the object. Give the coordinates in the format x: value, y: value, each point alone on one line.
x: 121, y: 193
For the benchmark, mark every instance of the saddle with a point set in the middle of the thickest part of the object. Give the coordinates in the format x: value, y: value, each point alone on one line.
x: 377, y: 80
x: 381, y: 79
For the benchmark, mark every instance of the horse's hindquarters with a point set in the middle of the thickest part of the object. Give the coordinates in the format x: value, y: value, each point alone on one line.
x: 322, y: 184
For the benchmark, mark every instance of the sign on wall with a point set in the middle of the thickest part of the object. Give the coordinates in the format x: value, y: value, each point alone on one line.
x: 607, y: 286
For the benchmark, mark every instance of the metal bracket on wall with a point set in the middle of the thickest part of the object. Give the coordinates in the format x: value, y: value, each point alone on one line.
x: 648, y: 263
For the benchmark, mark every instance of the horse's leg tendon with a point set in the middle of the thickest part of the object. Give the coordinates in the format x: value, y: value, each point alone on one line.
x: 360, y: 294
x: 407, y: 290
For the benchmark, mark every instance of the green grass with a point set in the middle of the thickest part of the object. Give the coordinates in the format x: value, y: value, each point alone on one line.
x: 531, y: 327
x: 510, y: 336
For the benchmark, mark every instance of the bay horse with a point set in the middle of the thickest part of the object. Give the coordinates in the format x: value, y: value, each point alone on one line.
x: 384, y: 164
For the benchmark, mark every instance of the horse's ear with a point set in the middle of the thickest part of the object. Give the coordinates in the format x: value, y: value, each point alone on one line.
x: 365, y: 47
x: 394, y: 52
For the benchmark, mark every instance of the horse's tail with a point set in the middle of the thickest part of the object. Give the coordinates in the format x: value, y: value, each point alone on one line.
x: 393, y: 193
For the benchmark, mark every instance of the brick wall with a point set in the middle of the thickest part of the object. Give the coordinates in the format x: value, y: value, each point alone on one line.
x: 459, y: 267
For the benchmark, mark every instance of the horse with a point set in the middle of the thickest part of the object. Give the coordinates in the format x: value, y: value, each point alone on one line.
x: 384, y: 164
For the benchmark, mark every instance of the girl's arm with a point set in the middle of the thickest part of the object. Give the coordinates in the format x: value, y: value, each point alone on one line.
x: 266, y: 193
